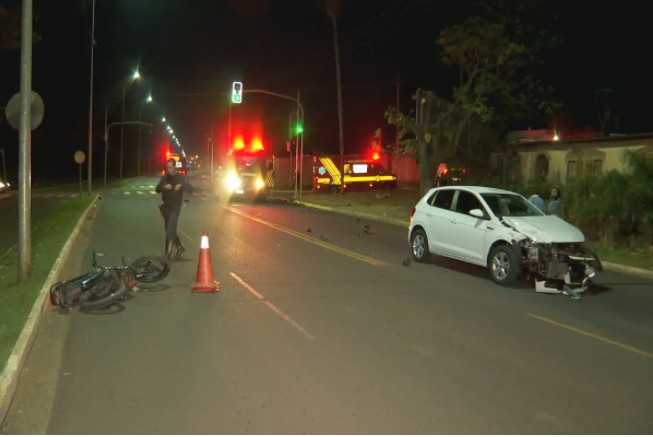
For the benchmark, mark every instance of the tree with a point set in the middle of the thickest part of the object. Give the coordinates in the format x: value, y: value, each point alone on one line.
x: 496, y: 56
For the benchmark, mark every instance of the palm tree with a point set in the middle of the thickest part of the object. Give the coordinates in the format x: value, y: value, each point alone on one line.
x: 332, y: 9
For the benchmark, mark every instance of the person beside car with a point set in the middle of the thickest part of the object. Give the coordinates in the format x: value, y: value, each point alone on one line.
x: 536, y: 200
x: 555, y: 202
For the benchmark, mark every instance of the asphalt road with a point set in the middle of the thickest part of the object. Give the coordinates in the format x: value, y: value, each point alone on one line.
x: 319, y: 328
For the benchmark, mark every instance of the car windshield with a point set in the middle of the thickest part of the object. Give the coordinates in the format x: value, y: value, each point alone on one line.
x: 510, y: 205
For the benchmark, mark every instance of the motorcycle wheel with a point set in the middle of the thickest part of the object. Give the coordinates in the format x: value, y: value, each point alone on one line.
x: 103, y: 294
x: 150, y: 269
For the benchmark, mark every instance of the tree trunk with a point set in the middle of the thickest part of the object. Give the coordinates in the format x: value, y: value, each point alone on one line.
x: 425, y: 182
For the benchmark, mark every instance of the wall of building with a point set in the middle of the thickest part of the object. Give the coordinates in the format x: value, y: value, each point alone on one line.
x: 605, y: 154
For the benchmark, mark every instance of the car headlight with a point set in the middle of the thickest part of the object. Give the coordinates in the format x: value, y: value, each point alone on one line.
x: 2, y: 185
x: 259, y: 183
x: 233, y: 182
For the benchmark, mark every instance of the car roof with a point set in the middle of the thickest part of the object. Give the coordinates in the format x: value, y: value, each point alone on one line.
x: 477, y: 189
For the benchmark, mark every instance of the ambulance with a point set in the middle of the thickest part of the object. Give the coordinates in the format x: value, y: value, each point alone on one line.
x: 361, y: 173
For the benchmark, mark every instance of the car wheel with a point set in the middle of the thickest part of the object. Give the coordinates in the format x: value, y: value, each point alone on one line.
x: 504, y: 265
x: 419, y: 246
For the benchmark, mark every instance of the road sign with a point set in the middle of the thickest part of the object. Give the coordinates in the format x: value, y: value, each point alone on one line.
x: 13, y: 111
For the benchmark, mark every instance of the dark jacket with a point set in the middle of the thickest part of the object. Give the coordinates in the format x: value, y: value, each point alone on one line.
x: 172, y: 197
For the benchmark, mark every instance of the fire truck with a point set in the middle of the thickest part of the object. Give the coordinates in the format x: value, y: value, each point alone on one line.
x: 246, y: 172
x: 360, y: 173
x: 180, y: 163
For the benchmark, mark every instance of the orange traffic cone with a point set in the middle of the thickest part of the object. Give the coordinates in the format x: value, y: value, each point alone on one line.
x: 205, y: 282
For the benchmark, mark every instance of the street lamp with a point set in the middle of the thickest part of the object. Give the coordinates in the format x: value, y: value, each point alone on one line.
x: 90, y: 106
x: 135, y: 76
x: 140, y: 115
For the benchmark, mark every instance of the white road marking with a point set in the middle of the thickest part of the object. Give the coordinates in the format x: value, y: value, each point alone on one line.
x: 127, y: 193
x: 270, y: 305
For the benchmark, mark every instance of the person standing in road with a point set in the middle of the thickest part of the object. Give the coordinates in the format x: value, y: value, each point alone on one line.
x: 555, y: 202
x: 172, y: 187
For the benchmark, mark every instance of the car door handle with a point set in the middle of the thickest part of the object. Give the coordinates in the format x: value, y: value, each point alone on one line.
x: 428, y: 214
x: 454, y: 221
x: 490, y: 228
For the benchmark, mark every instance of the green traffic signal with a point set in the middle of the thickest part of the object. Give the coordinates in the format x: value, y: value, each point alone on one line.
x: 237, y: 92
x: 299, y: 129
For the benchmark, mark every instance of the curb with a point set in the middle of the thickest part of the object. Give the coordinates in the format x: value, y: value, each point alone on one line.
x: 11, y: 373
x: 388, y: 220
x: 645, y: 273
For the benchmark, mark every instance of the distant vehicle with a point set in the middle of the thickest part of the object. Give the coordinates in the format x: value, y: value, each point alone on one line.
x: 247, y: 172
x: 449, y: 175
x: 360, y: 173
x: 505, y: 233
x: 4, y: 186
x: 180, y: 163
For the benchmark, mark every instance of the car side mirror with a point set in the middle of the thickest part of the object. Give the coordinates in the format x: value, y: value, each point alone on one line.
x: 478, y: 213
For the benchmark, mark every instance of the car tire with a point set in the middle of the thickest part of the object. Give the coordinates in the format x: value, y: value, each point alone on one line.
x: 419, y: 246
x: 503, y: 264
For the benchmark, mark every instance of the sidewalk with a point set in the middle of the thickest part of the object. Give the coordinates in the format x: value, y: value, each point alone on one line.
x: 394, y: 208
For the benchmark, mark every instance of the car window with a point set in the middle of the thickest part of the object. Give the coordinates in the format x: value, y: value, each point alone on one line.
x: 443, y: 199
x: 510, y: 205
x: 466, y: 202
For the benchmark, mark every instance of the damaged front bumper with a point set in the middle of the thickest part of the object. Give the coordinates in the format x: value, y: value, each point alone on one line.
x: 561, y: 268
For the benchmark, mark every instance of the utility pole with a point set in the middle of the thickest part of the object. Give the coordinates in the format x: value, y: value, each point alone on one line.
x: 341, y: 140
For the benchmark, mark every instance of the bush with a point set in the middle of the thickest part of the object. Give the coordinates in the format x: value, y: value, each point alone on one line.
x: 616, y: 207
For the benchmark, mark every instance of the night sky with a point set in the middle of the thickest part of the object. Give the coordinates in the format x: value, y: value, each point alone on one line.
x: 189, y: 51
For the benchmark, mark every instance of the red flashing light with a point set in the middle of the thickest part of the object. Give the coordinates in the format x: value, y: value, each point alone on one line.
x: 376, y: 156
x: 239, y: 143
x: 257, y: 145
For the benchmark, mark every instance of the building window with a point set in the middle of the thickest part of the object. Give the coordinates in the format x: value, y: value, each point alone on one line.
x: 583, y: 169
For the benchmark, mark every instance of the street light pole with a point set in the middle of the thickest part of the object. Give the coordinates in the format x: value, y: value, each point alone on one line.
x: 140, y: 119
x: 135, y: 76
x: 90, y: 107
x: 25, y: 147
x: 140, y: 115
x: 122, y: 128
x: 106, y: 138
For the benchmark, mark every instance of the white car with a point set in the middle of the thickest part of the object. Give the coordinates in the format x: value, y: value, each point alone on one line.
x: 504, y: 232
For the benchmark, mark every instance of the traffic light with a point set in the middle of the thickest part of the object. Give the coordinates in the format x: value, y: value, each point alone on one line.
x: 299, y: 129
x: 237, y: 92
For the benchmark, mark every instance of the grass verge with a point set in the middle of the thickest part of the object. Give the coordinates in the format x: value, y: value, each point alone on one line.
x: 16, y: 300
x: 623, y: 256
